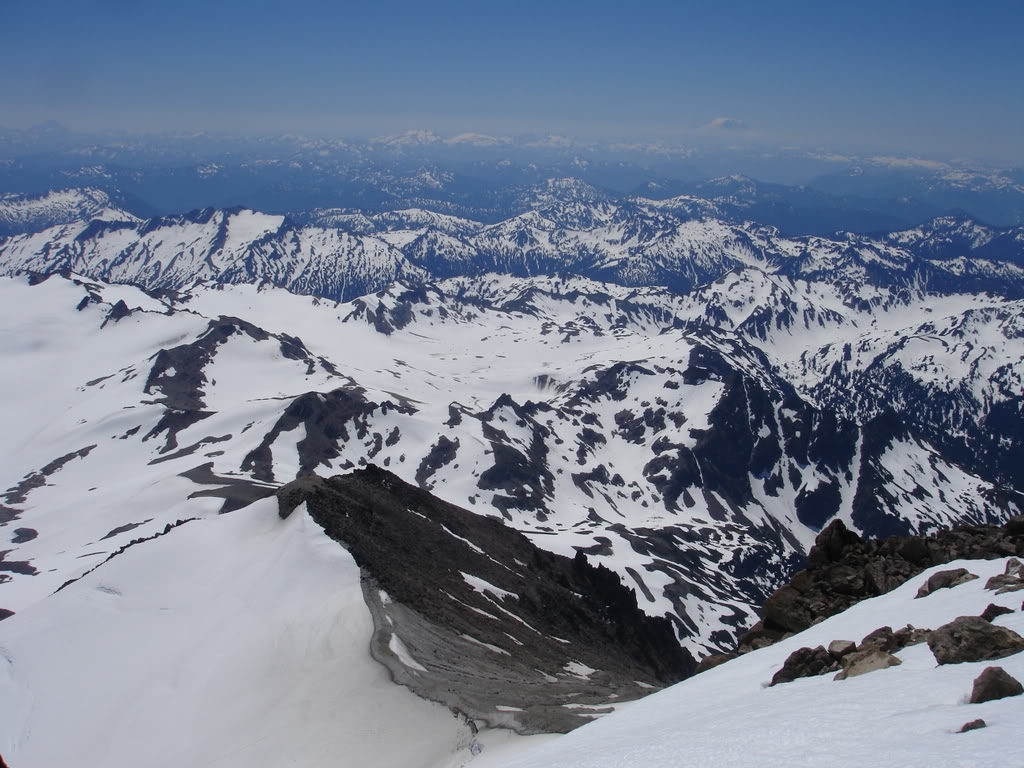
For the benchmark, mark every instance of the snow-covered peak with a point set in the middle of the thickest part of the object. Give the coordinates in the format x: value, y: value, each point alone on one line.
x: 21, y: 213
x: 478, y: 140
x: 407, y: 138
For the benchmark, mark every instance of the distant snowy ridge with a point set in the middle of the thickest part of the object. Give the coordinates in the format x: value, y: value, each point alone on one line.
x: 21, y: 213
x: 680, y: 243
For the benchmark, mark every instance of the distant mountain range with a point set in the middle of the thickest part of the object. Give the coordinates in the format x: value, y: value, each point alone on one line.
x: 568, y: 227
x: 485, y: 178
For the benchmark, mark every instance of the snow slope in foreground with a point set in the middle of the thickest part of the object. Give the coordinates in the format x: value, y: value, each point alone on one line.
x: 238, y: 640
x: 904, y: 716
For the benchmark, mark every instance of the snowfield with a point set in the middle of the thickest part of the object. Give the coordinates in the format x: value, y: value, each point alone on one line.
x: 239, y: 640
x: 906, y: 715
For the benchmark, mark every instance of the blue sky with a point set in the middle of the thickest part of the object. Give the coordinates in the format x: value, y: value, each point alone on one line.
x: 934, y: 77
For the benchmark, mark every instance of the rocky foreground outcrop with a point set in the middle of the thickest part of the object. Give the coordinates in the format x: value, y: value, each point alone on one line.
x: 470, y: 613
x: 844, y: 569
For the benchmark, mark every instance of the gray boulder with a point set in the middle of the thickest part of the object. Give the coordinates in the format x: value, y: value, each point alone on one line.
x: 864, y: 661
x: 839, y: 648
x: 971, y: 638
x: 995, y: 683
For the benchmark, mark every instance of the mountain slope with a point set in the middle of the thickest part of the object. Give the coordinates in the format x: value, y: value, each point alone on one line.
x: 908, y: 714
x: 590, y: 418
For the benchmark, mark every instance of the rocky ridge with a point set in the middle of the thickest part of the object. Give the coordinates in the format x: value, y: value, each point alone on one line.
x: 843, y: 569
x: 470, y: 613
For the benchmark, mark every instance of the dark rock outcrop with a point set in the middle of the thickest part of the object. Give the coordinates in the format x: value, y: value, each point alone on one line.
x: 992, y: 611
x: 995, y: 683
x: 485, y: 616
x: 843, y: 569
x: 973, y: 725
x: 972, y: 638
x: 805, y: 662
x: 882, y: 638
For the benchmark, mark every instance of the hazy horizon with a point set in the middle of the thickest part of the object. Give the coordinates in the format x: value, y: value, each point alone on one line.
x: 930, y: 79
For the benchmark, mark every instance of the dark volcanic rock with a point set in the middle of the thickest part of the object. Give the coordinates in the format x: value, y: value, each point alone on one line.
x: 844, y: 569
x: 973, y: 725
x: 787, y: 610
x: 995, y: 683
x: 945, y: 580
x: 490, y: 618
x: 805, y: 662
x: 971, y: 638
x: 831, y: 543
x: 993, y: 610
x: 882, y: 638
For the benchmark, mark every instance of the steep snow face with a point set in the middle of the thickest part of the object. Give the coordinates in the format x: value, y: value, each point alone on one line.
x: 233, y: 640
x: 906, y: 715
x: 590, y: 417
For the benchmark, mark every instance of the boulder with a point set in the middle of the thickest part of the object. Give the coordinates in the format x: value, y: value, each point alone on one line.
x: 972, y: 726
x: 994, y: 610
x: 995, y: 683
x: 910, y: 635
x: 864, y: 661
x: 945, y: 580
x: 805, y: 662
x: 1010, y: 580
x: 971, y: 638
x: 839, y: 648
x: 882, y: 638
